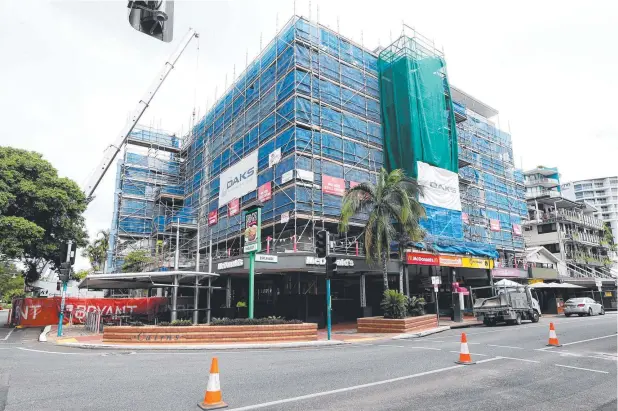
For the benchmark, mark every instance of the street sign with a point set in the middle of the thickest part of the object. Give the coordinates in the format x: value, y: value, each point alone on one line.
x: 599, y: 283
x: 436, y: 280
x: 266, y: 258
x: 435, y: 288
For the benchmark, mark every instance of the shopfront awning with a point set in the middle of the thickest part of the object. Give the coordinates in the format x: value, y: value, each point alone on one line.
x: 142, y: 280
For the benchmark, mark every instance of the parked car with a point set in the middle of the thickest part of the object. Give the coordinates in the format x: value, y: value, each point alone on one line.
x: 583, y: 306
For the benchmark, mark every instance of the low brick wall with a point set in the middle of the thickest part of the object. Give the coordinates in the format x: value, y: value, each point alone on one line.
x: 211, y: 334
x: 400, y: 326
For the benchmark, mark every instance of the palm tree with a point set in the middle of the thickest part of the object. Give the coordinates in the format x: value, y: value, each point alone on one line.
x: 393, y: 210
x: 96, y: 252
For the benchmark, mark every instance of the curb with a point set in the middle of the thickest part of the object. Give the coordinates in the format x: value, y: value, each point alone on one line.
x: 421, y: 333
x: 211, y: 347
x: 464, y: 325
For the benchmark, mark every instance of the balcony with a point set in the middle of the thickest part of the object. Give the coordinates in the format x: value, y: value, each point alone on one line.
x: 541, y: 193
x: 584, y: 238
x: 579, y: 218
x: 543, y: 182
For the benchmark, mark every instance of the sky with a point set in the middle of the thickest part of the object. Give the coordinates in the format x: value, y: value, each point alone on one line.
x: 73, y: 71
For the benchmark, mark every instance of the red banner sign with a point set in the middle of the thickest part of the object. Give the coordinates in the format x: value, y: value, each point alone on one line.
x: 494, y: 225
x: 333, y: 185
x: 517, y: 229
x: 233, y: 207
x: 212, y: 217
x: 265, y: 192
x: 422, y: 259
x: 36, y: 312
x: 464, y: 218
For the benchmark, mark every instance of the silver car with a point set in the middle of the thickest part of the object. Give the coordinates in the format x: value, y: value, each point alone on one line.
x: 583, y: 306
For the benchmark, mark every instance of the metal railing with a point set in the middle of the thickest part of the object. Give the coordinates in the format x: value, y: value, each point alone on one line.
x: 93, y: 322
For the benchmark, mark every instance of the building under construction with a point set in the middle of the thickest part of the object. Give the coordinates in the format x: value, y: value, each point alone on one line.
x: 314, y: 114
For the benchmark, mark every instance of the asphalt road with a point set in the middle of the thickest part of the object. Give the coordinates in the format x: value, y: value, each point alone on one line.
x: 514, y: 370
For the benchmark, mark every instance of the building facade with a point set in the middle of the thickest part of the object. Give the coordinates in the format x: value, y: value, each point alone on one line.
x: 600, y: 192
x: 566, y: 228
x: 308, y: 119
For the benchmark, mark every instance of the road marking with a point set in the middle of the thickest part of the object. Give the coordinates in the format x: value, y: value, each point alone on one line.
x: 437, y: 341
x: 390, y: 345
x: 591, y: 339
x: 579, y: 368
x: 519, y: 359
x: 482, y: 355
x: 505, y: 346
x: 54, y: 352
x: 352, y: 388
x: 562, y: 353
x: 6, y: 337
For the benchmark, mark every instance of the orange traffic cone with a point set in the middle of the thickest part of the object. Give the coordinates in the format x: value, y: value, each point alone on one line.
x: 464, y: 352
x: 553, y: 338
x: 213, y: 399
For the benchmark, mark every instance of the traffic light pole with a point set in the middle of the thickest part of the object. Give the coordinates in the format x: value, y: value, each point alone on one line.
x: 64, y: 292
x: 328, y: 309
x: 251, y: 282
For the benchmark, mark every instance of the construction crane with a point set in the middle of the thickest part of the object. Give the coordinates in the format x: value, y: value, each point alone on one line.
x: 112, y: 151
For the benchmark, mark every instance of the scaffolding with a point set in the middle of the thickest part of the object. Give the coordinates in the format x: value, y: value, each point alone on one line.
x: 148, y: 175
x: 492, y: 189
x: 311, y: 94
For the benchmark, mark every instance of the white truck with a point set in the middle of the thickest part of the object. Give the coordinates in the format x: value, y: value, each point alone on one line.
x: 509, y: 304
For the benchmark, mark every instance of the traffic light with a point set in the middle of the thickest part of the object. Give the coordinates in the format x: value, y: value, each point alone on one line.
x: 64, y: 250
x: 321, y: 243
x: 154, y: 18
x: 331, y: 266
x: 64, y: 272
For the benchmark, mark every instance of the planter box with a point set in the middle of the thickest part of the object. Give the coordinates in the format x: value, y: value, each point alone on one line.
x: 212, y: 334
x: 400, y: 326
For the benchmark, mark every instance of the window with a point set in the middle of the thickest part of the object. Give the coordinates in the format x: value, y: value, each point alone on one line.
x: 553, y: 248
x: 547, y: 228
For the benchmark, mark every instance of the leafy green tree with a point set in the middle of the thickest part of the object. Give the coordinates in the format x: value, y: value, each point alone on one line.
x: 393, y: 209
x: 96, y: 251
x: 80, y: 275
x: 11, y: 282
x: 136, y: 261
x: 38, y: 211
x: 608, y: 237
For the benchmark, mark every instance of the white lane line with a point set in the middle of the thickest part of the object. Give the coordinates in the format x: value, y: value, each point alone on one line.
x: 427, y: 348
x: 6, y: 337
x: 390, y: 345
x: 55, y: 352
x: 505, y: 346
x: 421, y: 340
x: 583, y: 369
x: 561, y: 353
x: 352, y: 388
x: 591, y: 339
x: 519, y: 359
x: 474, y: 343
x: 482, y: 355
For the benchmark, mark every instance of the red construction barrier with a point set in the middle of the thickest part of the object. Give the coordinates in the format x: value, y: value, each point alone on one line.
x: 36, y: 312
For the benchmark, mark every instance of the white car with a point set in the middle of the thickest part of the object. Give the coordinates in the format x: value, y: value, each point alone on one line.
x: 583, y: 306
